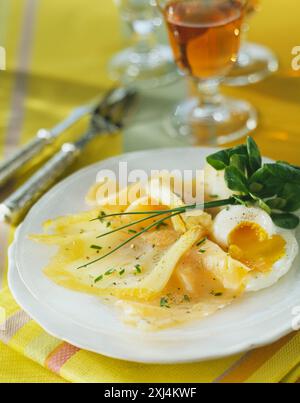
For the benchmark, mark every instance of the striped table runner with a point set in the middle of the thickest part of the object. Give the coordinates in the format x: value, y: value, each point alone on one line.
x: 274, y: 363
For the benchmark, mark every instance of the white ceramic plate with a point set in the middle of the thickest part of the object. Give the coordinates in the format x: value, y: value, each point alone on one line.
x: 254, y: 320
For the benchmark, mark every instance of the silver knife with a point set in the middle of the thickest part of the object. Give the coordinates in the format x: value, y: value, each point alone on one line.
x: 44, y: 137
x: 106, y: 118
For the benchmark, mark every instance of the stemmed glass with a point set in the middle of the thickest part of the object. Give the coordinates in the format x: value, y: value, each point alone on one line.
x: 147, y: 63
x: 205, y: 37
x: 255, y: 62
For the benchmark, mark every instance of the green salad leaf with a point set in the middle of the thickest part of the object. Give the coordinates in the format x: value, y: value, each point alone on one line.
x: 287, y: 220
x: 274, y: 187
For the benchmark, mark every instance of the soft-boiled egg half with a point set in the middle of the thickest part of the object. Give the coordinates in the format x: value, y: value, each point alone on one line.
x: 250, y: 236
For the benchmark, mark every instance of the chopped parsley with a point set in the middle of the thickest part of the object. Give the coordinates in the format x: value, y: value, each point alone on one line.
x: 202, y: 241
x: 121, y: 272
x: 216, y: 294
x: 110, y: 271
x: 97, y: 247
x: 138, y: 268
x: 132, y: 231
x: 98, y: 279
x: 101, y: 216
x: 161, y: 224
x: 164, y: 302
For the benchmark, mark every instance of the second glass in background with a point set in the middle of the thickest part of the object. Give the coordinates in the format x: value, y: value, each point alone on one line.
x: 147, y: 63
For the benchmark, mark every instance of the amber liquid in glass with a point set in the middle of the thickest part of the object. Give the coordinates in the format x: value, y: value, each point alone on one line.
x: 204, y: 35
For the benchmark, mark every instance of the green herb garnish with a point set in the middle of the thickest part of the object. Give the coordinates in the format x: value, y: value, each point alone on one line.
x: 98, y: 279
x: 138, y: 268
x: 216, y: 294
x: 285, y: 220
x: 274, y: 187
x: 202, y: 241
x: 110, y: 271
x: 162, y: 224
x: 186, y: 298
x: 97, y: 247
x: 254, y: 156
x: 121, y: 272
x: 101, y: 216
x: 164, y: 302
x: 176, y: 212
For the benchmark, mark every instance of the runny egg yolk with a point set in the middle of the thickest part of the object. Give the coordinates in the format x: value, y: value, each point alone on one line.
x: 251, y: 245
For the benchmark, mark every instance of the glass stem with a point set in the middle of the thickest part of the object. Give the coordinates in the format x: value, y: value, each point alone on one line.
x: 144, y: 44
x: 143, y: 37
x: 208, y: 94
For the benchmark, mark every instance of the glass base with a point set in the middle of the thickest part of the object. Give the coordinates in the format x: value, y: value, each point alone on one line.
x: 255, y: 63
x: 144, y: 70
x: 230, y: 120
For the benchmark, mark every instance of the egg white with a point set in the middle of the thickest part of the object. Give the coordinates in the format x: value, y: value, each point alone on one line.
x: 258, y: 281
x: 230, y: 218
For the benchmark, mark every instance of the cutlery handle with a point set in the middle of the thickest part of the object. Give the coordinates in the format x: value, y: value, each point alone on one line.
x: 9, y: 168
x: 13, y: 209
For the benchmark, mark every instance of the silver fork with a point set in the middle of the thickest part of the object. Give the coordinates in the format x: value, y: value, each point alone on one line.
x: 106, y: 118
x: 10, y: 167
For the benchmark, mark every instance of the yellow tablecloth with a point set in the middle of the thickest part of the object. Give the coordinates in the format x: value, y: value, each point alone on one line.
x: 56, y: 58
